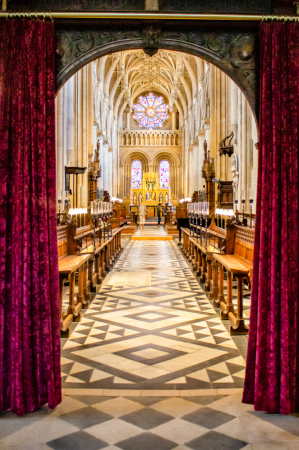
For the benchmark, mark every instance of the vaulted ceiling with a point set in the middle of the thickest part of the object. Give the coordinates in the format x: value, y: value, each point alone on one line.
x: 127, y: 75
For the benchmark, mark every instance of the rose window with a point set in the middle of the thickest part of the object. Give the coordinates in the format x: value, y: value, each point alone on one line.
x: 150, y: 112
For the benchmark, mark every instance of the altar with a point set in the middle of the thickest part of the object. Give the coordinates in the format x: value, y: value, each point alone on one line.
x: 150, y: 192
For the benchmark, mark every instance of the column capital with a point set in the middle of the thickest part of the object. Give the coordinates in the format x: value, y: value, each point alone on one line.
x: 193, y: 143
x: 201, y: 134
x: 206, y: 123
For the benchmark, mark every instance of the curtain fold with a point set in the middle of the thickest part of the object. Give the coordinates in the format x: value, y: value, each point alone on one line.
x: 29, y: 281
x: 272, y: 372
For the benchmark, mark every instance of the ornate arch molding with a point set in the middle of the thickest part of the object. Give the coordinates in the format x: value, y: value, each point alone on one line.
x: 229, y: 48
x: 171, y: 157
x: 130, y: 156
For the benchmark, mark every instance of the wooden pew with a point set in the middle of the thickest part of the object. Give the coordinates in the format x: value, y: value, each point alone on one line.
x: 232, y: 250
x: 202, y: 258
x: 77, y: 252
x: 238, y: 264
x: 119, y: 215
x: 68, y: 265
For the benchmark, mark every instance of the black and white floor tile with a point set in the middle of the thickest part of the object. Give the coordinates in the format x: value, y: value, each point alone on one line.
x: 150, y: 366
x: 151, y: 327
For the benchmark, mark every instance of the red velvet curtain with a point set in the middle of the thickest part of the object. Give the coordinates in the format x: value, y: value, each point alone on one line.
x: 272, y: 373
x: 29, y: 283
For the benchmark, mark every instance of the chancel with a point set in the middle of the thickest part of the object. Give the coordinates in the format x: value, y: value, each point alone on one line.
x: 149, y: 224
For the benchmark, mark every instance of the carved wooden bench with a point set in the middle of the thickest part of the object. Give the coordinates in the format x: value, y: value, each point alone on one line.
x: 68, y: 265
x: 239, y: 265
x: 203, y: 260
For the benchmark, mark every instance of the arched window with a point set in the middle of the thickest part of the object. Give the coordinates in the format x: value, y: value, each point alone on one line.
x: 136, y: 174
x: 150, y: 112
x: 164, y: 173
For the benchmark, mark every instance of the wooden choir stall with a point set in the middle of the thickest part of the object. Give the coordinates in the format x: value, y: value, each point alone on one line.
x: 215, y: 251
x: 87, y: 250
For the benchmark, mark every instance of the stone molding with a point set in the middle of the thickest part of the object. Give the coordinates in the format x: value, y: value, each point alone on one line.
x: 232, y: 51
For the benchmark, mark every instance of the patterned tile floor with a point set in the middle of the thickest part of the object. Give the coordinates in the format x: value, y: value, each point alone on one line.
x: 152, y: 230
x: 150, y: 366
x: 151, y: 327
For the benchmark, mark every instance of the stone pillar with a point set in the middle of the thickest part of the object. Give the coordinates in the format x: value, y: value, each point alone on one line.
x: 244, y: 150
x: 128, y: 120
x: 105, y: 167
x: 190, y: 172
x: 70, y: 119
x: 100, y: 184
x: 59, y: 142
x: 173, y: 118
x: 201, y: 138
x: 110, y: 170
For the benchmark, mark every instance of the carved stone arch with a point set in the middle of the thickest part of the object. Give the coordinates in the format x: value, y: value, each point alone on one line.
x: 176, y: 173
x: 232, y: 49
x: 130, y: 156
x: 172, y: 157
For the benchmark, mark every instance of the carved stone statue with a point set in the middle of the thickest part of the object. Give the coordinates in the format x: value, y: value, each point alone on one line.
x: 235, y: 172
x: 139, y: 198
x: 205, y: 150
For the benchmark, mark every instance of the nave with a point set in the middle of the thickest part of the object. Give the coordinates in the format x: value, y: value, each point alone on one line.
x: 151, y: 366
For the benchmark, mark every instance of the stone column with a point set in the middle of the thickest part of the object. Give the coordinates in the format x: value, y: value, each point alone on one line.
x: 244, y: 149
x: 100, y: 184
x: 110, y: 170
x: 70, y: 119
x: 173, y: 118
x: 193, y: 168
x: 128, y: 120
x: 59, y: 103
x: 190, y: 171
x: 105, y: 167
x: 201, y: 138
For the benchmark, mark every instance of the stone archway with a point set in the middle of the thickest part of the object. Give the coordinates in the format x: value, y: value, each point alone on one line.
x: 232, y: 49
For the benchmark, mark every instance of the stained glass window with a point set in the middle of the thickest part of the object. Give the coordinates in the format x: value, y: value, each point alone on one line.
x: 164, y: 174
x: 136, y: 174
x: 150, y: 112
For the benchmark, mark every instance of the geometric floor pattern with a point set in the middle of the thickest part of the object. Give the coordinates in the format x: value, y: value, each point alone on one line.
x: 150, y: 367
x: 147, y: 423
x: 151, y: 327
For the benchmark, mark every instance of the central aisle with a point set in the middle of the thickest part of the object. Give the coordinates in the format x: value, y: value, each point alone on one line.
x: 151, y: 327
x: 150, y: 367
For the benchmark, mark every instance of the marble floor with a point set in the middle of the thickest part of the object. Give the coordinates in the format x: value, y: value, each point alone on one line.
x: 151, y: 230
x: 151, y: 366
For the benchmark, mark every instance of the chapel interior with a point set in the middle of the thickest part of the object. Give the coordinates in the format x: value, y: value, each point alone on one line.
x: 177, y: 329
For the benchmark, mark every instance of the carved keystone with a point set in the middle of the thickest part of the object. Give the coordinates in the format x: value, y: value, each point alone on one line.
x: 151, y: 40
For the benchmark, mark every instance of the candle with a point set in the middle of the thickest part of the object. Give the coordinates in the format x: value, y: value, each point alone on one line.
x: 243, y: 196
